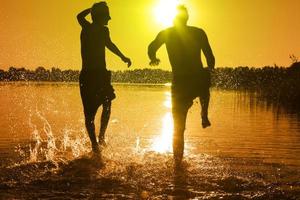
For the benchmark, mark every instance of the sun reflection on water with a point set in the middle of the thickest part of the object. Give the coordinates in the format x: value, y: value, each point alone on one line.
x: 163, y: 143
x: 167, y: 102
x: 168, y: 84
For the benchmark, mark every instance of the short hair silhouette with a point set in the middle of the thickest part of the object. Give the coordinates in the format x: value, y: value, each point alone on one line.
x: 100, y: 11
x: 182, y: 15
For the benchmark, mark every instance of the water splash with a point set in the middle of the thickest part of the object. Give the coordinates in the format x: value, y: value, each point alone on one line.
x: 36, y: 138
x: 74, y: 142
x: 134, y: 170
x: 34, y: 150
x: 44, y: 146
x: 51, y: 147
x: 137, y: 145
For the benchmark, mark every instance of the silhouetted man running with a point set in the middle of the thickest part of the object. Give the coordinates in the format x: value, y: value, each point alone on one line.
x: 95, y: 79
x: 190, y: 80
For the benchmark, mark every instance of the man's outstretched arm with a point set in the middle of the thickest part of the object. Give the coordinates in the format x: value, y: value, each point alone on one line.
x: 81, y: 17
x: 154, y: 46
x: 210, y: 59
x: 113, y: 48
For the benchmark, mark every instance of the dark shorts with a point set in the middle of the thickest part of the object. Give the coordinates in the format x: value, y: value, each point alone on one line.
x: 186, y: 89
x: 95, y: 89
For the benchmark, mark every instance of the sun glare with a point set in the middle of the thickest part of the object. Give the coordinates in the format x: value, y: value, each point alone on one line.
x: 163, y: 143
x: 165, y: 12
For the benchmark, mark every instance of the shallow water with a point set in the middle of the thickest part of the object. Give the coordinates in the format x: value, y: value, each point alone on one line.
x: 252, y: 150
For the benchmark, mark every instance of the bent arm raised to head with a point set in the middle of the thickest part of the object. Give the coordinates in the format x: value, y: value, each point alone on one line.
x: 154, y: 46
x: 81, y: 17
x: 210, y: 59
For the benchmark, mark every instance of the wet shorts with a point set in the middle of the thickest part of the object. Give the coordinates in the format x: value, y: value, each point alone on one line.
x: 186, y: 89
x: 95, y: 89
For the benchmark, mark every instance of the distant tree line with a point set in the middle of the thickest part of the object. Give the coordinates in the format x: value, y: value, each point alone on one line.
x: 39, y: 74
x: 226, y: 78
x: 154, y: 76
x: 278, y: 83
x: 274, y: 84
x: 58, y: 75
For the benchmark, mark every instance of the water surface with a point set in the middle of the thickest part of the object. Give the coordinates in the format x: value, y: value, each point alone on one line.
x: 252, y: 150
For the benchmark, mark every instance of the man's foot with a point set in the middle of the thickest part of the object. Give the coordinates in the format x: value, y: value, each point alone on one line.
x: 95, y: 148
x: 205, y: 122
x: 102, y: 142
x: 177, y: 162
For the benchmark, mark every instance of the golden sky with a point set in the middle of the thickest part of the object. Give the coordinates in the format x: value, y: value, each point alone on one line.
x: 241, y: 32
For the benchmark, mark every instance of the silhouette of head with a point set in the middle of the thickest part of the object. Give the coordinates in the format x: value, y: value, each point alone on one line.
x: 100, y: 13
x: 182, y: 16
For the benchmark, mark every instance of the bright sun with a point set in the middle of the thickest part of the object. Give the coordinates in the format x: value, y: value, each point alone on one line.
x: 165, y: 12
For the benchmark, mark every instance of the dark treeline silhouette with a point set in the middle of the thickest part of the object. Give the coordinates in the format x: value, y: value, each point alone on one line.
x: 39, y: 74
x: 223, y: 78
x: 152, y: 76
x: 274, y: 84
x: 278, y: 84
x: 155, y: 76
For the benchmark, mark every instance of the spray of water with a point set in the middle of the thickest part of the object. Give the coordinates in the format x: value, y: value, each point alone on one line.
x: 45, y: 146
x: 34, y: 150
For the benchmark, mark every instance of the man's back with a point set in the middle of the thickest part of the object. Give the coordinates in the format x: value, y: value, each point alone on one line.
x: 184, y: 45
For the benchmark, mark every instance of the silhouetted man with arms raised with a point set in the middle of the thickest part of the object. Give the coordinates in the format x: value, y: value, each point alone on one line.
x: 95, y: 79
x: 190, y: 80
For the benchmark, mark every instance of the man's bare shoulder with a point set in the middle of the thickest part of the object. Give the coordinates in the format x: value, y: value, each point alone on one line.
x: 163, y: 34
x: 167, y: 30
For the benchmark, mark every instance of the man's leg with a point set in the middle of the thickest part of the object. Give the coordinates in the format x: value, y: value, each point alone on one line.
x: 204, y: 101
x: 104, y: 120
x: 90, y: 126
x: 179, y: 118
x: 87, y: 93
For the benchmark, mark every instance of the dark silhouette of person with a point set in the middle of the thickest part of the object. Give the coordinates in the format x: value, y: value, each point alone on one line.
x: 95, y: 79
x: 190, y: 79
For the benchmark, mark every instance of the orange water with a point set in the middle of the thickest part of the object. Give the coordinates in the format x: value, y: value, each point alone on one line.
x: 251, y: 150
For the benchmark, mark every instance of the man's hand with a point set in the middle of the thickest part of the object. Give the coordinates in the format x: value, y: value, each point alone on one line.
x: 127, y: 60
x: 154, y: 62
